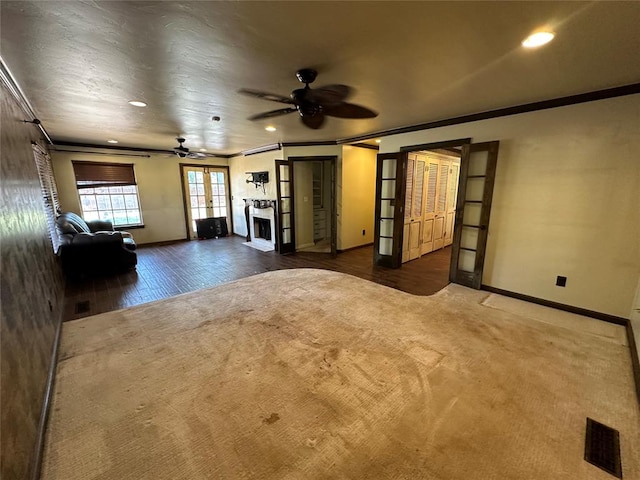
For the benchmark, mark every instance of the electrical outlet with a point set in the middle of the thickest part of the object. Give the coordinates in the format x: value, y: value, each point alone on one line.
x: 561, y: 281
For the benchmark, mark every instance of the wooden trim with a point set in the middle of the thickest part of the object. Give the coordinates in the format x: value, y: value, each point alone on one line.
x: 162, y: 243
x: 447, y: 144
x: 635, y: 357
x: 309, y: 144
x: 366, y: 145
x: 127, y: 228
x: 334, y: 209
x: 621, y: 91
x: 36, y: 464
x: 355, y: 248
x: 314, y: 158
x: 10, y: 82
x: 111, y: 154
x: 559, y: 306
x: 131, y: 149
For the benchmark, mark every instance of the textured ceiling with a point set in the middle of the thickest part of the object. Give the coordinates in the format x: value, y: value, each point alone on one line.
x: 79, y: 63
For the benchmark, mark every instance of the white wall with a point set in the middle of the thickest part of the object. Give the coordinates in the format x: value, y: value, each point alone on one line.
x: 358, y: 179
x: 159, y: 189
x: 566, y: 201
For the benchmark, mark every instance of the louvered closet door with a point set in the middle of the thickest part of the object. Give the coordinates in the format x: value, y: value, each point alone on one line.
x: 430, y: 200
x: 414, y: 200
x: 441, y: 205
x: 415, y: 240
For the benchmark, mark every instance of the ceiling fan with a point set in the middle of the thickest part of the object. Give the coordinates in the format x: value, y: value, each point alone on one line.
x: 312, y: 104
x: 183, y: 152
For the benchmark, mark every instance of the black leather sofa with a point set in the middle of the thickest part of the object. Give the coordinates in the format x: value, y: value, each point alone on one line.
x: 93, y: 248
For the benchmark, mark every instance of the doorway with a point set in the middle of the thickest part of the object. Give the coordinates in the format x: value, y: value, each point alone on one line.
x: 431, y: 189
x: 306, y: 196
x: 401, y: 233
x: 206, y: 196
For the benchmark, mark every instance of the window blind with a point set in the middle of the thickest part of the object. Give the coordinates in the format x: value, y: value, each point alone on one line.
x: 95, y: 174
x: 49, y: 192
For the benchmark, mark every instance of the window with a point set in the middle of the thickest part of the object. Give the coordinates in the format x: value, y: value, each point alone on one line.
x: 108, y: 191
x: 49, y: 192
x: 218, y: 194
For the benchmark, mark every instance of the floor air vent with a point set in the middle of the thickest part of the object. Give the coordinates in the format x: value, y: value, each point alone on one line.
x: 82, y: 307
x: 602, y: 447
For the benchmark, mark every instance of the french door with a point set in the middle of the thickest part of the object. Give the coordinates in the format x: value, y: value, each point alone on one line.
x: 395, y: 179
x: 475, y: 192
x: 284, y: 187
x: 206, y: 190
x: 389, y: 213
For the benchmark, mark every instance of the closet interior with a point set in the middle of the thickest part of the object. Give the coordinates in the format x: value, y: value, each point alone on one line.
x: 430, y: 201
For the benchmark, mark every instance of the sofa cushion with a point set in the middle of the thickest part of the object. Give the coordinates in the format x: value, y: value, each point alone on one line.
x: 65, y: 227
x: 74, y: 221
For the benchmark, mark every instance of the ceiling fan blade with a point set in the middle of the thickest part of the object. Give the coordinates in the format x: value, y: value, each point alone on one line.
x: 274, y: 97
x: 273, y: 113
x: 328, y: 95
x: 349, y: 110
x: 313, y: 121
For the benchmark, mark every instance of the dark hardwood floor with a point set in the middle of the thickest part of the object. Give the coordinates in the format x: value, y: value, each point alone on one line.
x: 165, y: 271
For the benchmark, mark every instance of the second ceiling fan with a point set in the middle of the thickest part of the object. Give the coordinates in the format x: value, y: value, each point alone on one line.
x: 312, y: 104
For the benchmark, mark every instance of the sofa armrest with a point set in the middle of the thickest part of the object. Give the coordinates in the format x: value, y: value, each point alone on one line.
x: 100, y: 226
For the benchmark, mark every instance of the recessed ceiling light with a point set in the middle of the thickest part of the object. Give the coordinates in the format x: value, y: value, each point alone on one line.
x: 137, y: 103
x: 378, y: 140
x: 270, y: 128
x: 537, y: 39
x: 112, y: 141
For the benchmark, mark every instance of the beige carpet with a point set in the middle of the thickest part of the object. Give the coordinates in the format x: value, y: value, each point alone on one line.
x: 309, y: 374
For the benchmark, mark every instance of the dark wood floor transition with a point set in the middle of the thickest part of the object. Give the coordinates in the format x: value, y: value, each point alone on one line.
x: 165, y: 271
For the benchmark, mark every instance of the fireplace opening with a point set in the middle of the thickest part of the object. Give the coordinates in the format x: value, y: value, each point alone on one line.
x: 262, y: 228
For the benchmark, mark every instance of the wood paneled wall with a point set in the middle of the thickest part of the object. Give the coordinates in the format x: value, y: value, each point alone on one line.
x: 32, y: 293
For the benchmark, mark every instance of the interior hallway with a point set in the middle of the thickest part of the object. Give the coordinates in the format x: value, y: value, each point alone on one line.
x: 168, y: 270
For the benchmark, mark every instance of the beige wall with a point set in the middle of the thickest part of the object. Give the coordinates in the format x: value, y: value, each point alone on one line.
x: 238, y: 166
x: 355, y: 207
x: 159, y: 190
x: 566, y: 201
x: 358, y: 179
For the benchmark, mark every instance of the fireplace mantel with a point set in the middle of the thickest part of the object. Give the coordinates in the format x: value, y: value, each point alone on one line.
x: 265, y: 209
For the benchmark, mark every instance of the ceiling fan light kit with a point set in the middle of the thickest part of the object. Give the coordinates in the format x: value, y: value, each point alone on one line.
x: 183, y: 152
x: 313, y: 105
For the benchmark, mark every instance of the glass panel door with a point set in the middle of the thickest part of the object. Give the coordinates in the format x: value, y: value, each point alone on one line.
x: 477, y: 173
x: 286, y: 227
x: 390, y: 195
x: 206, y: 195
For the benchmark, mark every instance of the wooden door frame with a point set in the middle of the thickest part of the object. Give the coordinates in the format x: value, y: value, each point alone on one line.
x: 292, y: 221
x: 184, y: 194
x: 400, y: 197
x: 334, y: 201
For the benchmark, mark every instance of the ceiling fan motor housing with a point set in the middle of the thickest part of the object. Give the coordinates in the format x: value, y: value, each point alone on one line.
x: 305, y: 107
